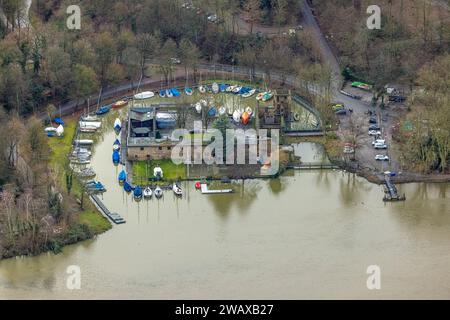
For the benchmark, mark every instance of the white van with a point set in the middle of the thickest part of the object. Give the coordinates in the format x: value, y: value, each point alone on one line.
x: 379, y: 141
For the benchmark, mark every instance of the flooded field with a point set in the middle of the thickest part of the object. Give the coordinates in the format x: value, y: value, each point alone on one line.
x: 308, y: 234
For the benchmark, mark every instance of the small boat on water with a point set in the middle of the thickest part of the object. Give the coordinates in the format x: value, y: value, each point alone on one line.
x: 116, y: 145
x: 148, y: 193
x: 117, y: 124
x: 127, y: 187
x: 188, y: 91
x: 116, y: 157
x: 215, y: 88
x: 165, y: 120
x: 122, y: 177
x: 120, y: 104
x: 162, y: 93
x: 158, y: 192
x: 85, y: 142
x: 249, y: 93
x: 198, y: 107
x: 144, y: 95
x: 90, y: 118
x: 222, y: 110
x: 202, y: 89
x: 103, y: 110
x: 137, y: 193
x: 177, y: 190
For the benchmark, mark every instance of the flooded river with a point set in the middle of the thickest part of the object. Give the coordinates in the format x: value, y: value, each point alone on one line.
x: 305, y: 235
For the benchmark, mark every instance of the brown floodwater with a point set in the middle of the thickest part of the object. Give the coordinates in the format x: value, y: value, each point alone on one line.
x: 308, y: 234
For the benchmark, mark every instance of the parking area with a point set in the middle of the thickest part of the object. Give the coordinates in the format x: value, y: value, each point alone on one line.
x: 360, y: 119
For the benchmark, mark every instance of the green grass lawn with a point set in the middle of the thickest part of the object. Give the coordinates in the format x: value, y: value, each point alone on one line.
x: 60, y: 149
x: 143, y: 170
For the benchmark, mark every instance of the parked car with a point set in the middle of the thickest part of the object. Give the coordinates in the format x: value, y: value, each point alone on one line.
x: 374, y: 127
x: 378, y: 141
x: 379, y: 146
x: 373, y: 120
x: 374, y: 133
x: 381, y: 157
x: 338, y: 106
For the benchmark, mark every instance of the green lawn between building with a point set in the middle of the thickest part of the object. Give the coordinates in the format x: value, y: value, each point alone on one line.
x: 143, y: 171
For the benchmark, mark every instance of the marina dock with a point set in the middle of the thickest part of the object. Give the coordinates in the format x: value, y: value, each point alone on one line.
x: 205, y: 190
x: 114, y: 217
x: 391, y: 192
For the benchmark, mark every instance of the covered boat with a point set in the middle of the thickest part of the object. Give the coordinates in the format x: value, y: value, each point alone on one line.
x: 127, y: 187
x: 215, y: 88
x: 245, y: 118
x: 50, y: 129
x: 117, y: 124
x: 237, y: 116
x: 165, y: 120
x: 177, y: 190
x: 198, y: 107
x: 158, y: 173
x: 144, y: 95
x: 189, y: 91
x: 175, y: 92
x: 103, y: 110
x: 122, y: 176
x: 169, y: 93
x: 58, y: 121
x: 223, y: 87
x: 237, y: 89
x: 137, y: 193
x: 158, y: 192
x: 60, y: 131
x: 147, y: 193
x: 116, y: 145
x: 89, y: 118
x: 212, y: 112
x: 249, y: 93
x: 120, y: 104
x: 267, y: 96
x: 116, y: 157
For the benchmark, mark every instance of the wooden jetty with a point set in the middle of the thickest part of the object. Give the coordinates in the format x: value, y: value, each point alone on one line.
x: 391, y: 192
x: 205, y: 190
x: 114, y: 217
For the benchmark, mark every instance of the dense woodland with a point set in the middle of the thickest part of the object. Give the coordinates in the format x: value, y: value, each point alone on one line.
x: 410, y: 49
